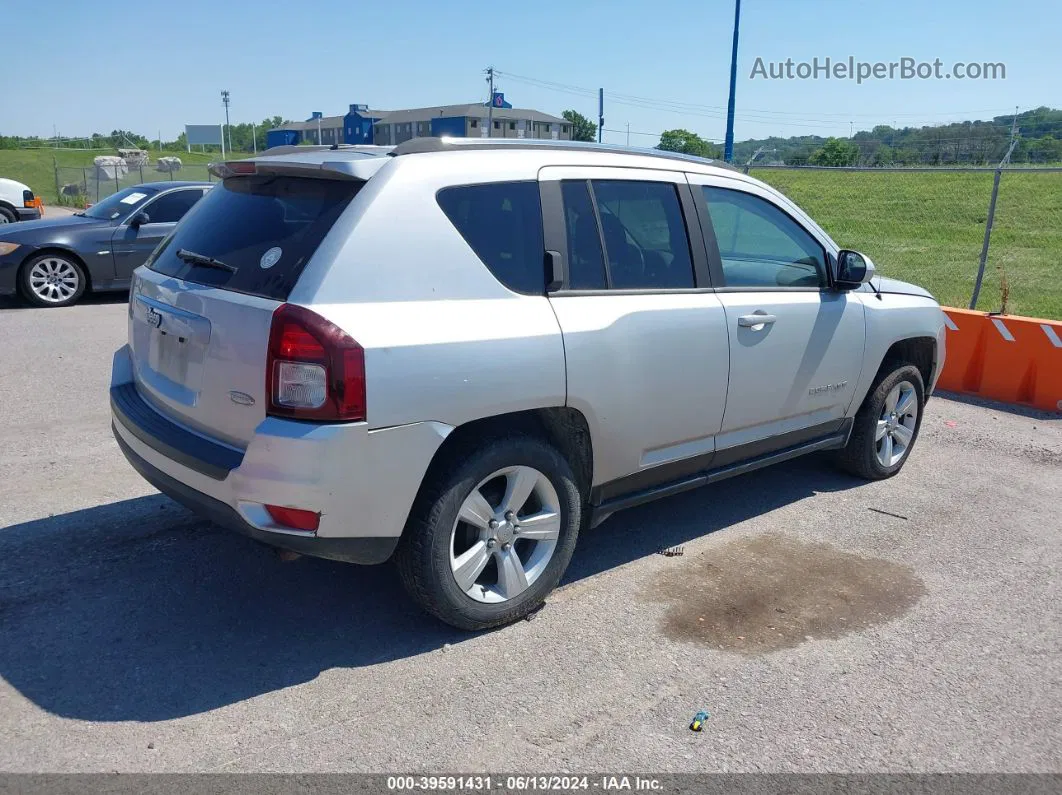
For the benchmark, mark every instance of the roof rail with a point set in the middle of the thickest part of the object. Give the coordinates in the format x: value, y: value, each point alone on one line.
x: 423, y: 145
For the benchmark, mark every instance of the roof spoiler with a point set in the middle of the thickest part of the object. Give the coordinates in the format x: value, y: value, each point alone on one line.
x: 361, y: 169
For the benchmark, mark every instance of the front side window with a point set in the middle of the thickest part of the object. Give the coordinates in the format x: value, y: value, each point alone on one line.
x: 645, y: 235
x: 761, y: 246
x: 502, y: 224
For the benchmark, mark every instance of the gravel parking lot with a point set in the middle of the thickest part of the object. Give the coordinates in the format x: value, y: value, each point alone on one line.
x: 826, y: 624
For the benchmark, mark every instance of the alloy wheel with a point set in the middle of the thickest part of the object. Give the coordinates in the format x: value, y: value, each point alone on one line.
x: 896, y: 425
x: 505, y: 534
x: 54, y: 279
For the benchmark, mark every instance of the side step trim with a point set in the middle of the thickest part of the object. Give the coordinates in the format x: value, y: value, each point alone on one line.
x: 834, y: 441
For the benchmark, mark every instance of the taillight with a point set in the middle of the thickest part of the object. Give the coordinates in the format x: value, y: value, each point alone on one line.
x: 314, y: 370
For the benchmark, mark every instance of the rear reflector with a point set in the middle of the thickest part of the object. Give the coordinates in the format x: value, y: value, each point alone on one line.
x: 295, y: 518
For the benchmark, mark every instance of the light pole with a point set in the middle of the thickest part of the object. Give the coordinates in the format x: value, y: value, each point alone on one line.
x: 728, y: 146
x: 225, y: 99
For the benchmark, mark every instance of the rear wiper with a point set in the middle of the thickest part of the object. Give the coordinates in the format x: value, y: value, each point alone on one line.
x: 203, y: 259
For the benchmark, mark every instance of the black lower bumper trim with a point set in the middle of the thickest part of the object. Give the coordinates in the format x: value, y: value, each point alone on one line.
x: 349, y: 550
x: 186, y: 448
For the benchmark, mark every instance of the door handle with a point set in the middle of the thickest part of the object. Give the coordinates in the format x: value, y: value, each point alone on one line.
x: 756, y: 319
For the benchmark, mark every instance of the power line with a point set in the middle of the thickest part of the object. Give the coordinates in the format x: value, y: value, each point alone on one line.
x: 718, y: 110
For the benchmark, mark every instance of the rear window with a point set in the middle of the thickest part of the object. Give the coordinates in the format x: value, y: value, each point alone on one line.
x: 266, y: 227
x: 502, y: 223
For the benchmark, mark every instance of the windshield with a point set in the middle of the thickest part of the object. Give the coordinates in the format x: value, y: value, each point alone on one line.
x: 120, y: 204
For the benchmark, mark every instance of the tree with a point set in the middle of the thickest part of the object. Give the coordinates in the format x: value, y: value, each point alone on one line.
x: 687, y: 143
x: 835, y: 152
x: 582, y: 128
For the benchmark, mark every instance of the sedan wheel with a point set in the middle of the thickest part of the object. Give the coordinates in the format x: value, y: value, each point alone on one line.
x: 53, y: 280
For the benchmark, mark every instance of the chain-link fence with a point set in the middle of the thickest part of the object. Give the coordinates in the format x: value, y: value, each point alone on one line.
x: 78, y: 186
x: 928, y: 226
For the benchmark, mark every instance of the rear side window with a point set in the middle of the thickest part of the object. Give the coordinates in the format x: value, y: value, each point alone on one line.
x: 645, y: 235
x: 171, y: 207
x: 266, y: 227
x: 586, y: 263
x: 502, y: 223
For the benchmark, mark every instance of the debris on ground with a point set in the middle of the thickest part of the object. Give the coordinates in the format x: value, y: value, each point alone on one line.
x: 698, y: 720
x: 673, y: 552
x: 888, y: 513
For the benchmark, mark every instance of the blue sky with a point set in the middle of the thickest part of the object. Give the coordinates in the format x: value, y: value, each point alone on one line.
x: 162, y: 65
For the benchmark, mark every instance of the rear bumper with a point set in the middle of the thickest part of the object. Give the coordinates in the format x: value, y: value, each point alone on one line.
x: 365, y: 550
x: 363, y: 483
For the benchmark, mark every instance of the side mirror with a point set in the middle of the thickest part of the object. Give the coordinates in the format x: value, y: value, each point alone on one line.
x: 139, y: 219
x: 853, y: 269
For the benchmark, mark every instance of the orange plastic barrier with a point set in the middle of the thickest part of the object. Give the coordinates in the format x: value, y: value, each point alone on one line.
x: 1004, y: 357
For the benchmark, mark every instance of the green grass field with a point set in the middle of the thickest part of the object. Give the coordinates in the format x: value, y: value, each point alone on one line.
x: 35, y: 167
x: 922, y: 227
x: 928, y: 228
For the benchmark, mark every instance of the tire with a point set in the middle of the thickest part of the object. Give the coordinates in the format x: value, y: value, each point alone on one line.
x: 52, y: 279
x: 875, y: 457
x: 7, y: 216
x: 438, y: 538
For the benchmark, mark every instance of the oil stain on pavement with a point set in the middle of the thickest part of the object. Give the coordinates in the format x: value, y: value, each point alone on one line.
x: 756, y: 595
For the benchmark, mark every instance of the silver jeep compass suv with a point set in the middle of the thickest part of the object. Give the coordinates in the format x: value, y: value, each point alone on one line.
x: 458, y: 353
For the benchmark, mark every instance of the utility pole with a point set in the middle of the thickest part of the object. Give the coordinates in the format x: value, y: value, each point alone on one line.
x: 851, y: 130
x: 628, y: 133
x: 600, y: 113
x: 490, y: 103
x: 225, y: 100
x: 728, y: 146
x: 254, y: 137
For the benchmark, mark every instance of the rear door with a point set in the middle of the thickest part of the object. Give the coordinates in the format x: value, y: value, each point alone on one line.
x: 133, y: 244
x: 199, y: 334
x: 644, y: 337
x: 796, y: 344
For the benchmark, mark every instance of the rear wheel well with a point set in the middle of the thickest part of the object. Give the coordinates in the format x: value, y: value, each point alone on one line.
x: 564, y: 428
x: 62, y: 252
x: 919, y: 351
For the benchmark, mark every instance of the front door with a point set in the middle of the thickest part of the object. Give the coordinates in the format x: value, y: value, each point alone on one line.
x: 796, y: 345
x: 133, y: 243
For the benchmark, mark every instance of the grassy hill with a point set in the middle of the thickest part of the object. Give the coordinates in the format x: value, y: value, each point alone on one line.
x: 928, y: 227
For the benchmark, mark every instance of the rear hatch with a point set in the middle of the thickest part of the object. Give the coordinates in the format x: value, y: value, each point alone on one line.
x: 201, y: 309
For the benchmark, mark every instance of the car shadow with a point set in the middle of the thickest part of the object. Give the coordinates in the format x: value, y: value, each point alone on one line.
x: 138, y: 610
x: 88, y: 299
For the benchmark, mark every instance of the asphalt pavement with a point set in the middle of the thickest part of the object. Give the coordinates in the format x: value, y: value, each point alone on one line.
x: 826, y: 624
